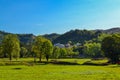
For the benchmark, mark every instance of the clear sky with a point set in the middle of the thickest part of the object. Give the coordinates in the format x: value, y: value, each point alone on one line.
x: 58, y: 16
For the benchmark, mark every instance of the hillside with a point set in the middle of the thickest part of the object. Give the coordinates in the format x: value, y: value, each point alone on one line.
x: 77, y: 36
x: 83, y: 35
x: 112, y: 30
x: 24, y: 38
x: 73, y: 35
x: 52, y: 36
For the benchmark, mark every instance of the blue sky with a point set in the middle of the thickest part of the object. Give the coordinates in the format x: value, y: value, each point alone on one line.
x: 58, y: 16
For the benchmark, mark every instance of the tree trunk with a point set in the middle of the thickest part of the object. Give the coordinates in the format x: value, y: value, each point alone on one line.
x: 10, y: 57
x: 40, y: 57
x: 47, y: 57
x: 34, y: 58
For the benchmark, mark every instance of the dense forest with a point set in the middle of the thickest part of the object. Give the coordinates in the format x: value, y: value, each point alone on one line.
x: 72, y: 44
x: 79, y: 35
x: 72, y: 35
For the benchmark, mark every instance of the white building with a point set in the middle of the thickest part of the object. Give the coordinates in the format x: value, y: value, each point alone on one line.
x: 59, y: 45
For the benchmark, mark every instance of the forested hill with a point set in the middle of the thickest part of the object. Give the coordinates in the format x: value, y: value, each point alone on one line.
x: 52, y: 36
x: 73, y: 35
x: 24, y: 38
x: 79, y: 35
x: 112, y: 30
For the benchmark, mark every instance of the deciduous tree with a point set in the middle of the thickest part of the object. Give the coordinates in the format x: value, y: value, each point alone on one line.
x: 111, y: 47
x: 11, y: 46
x: 37, y: 47
x: 48, y: 48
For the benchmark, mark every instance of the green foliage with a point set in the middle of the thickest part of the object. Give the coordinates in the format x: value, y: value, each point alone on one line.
x: 63, y: 52
x: 78, y: 49
x: 48, y: 48
x: 11, y: 46
x: 52, y: 36
x: 71, y: 53
x: 92, y: 49
x: 23, y: 52
x: 37, y: 47
x: 26, y: 39
x: 42, y: 46
x: 56, y: 52
x: 1, y: 51
x: 77, y: 36
x: 111, y: 47
x: 101, y: 37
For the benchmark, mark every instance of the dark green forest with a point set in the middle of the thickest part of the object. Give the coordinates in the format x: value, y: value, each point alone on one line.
x: 94, y: 44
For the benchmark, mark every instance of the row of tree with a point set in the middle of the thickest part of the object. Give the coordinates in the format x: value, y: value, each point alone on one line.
x: 40, y: 48
x: 103, y: 46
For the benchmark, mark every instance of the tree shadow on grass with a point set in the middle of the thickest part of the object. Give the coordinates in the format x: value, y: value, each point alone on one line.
x: 17, y: 68
x: 55, y: 62
x: 87, y: 63
x: 94, y: 64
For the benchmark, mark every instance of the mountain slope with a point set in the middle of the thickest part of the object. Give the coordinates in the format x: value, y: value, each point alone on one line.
x: 73, y: 35
x: 76, y: 36
x: 24, y: 38
x: 52, y: 36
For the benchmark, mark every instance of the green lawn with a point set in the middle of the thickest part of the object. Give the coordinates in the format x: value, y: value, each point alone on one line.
x: 60, y: 72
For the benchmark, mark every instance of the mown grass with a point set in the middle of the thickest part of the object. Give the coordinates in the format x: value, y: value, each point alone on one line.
x: 60, y: 72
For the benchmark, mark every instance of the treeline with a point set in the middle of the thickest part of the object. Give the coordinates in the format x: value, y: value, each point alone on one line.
x: 92, y: 44
x: 79, y: 35
x: 40, y: 48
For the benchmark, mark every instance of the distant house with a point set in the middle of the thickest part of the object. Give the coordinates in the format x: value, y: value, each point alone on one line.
x: 59, y: 45
x: 78, y: 44
x: 67, y: 45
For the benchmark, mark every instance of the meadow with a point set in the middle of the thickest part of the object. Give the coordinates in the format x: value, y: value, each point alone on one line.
x: 49, y: 71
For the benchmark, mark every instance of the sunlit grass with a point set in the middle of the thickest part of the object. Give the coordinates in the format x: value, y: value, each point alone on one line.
x: 60, y: 72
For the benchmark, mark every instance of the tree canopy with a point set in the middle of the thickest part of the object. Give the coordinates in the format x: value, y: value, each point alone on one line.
x: 11, y: 46
x: 111, y: 47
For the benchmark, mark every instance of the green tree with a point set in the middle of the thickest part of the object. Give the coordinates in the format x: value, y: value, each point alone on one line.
x: 111, y: 47
x: 92, y: 49
x: 56, y: 52
x: 63, y: 52
x: 34, y: 51
x: 37, y: 47
x: 101, y: 37
x: 48, y: 48
x: 11, y: 46
x: 1, y: 51
x: 69, y: 52
x: 23, y: 52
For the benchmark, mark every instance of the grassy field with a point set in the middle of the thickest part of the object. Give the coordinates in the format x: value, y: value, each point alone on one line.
x: 60, y: 72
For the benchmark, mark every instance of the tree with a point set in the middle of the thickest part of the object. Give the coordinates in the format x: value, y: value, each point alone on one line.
x: 48, y: 48
x: 111, y: 47
x: 1, y: 51
x: 23, y: 52
x: 37, y: 47
x: 63, y: 52
x: 69, y: 52
x: 56, y: 52
x: 34, y: 52
x: 11, y: 46
x: 101, y: 37
x: 92, y: 49
x: 79, y: 49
